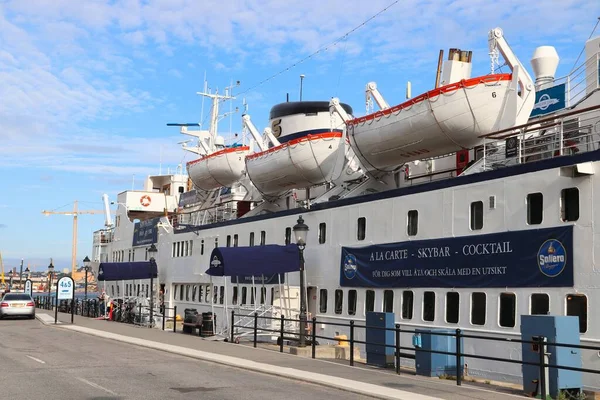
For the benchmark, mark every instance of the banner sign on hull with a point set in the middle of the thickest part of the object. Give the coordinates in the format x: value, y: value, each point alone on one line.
x: 259, y: 279
x: 530, y: 258
x: 145, y: 232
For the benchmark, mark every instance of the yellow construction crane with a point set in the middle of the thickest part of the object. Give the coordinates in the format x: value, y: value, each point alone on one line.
x: 2, y: 267
x: 74, y: 213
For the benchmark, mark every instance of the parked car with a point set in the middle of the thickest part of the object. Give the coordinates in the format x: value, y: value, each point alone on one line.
x: 16, y: 305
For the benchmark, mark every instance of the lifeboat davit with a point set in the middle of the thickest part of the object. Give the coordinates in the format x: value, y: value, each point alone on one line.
x: 221, y: 168
x: 308, y: 151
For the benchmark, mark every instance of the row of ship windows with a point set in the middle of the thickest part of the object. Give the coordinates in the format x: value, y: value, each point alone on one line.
x: 119, y: 255
x: 576, y: 304
x: 539, y: 303
x: 569, y: 205
x: 130, y: 290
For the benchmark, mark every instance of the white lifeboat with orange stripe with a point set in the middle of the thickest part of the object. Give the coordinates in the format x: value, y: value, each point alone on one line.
x: 447, y: 119
x: 307, y: 150
x: 222, y: 168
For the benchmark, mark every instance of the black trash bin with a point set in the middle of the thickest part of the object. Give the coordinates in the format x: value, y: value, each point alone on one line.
x: 208, y: 324
x: 189, y: 317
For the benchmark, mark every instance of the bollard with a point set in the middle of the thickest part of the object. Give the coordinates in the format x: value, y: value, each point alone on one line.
x: 140, y: 316
x: 232, y: 323
x: 542, y: 350
x: 255, y: 327
x: 163, y: 319
x: 352, y: 343
x: 72, y: 310
x: 281, y: 333
x: 174, y: 319
x: 313, y: 338
x: 398, y: 348
x: 458, y: 355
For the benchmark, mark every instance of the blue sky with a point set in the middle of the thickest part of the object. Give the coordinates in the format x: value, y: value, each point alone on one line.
x: 87, y: 87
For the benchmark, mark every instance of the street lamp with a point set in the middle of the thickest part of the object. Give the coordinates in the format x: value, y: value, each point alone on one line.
x: 86, y: 268
x: 300, y: 231
x: 50, y: 272
x: 152, y: 250
x: 21, y: 275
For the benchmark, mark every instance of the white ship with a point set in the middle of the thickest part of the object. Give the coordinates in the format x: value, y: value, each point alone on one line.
x: 465, y: 207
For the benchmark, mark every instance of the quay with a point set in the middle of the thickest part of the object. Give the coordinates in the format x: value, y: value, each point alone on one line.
x: 362, y: 381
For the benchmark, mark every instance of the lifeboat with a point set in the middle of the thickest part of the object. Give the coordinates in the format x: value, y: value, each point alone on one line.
x: 447, y: 119
x: 219, y: 169
x: 308, y: 148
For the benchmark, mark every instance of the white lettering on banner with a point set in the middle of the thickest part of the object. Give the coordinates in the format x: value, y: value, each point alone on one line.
x: 433, y: 252
x: 486, y: 248
x: 389, y: 255
x: 431, y: 272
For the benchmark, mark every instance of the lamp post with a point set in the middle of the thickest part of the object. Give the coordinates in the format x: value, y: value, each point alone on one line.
x: 152, y: 250
x: 300, y: 231
x: 86, y: 268
x: 50, y: 272
x: 21, y: 275
x: 301, y: 81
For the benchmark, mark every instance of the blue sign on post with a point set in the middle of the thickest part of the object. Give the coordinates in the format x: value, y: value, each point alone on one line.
x: 549, y: 100
x: 145, y: 232
x: 529, y: 258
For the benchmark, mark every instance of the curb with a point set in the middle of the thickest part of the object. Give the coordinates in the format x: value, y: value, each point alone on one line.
x: 347, y: 385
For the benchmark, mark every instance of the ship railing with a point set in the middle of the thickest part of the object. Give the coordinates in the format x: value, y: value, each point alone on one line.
x: 581, y: 80
x: 245, y: 320
x: 455, y: 368
x: 569, y: 133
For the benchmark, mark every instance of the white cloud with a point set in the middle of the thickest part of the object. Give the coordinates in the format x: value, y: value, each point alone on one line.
x: 175, y: 73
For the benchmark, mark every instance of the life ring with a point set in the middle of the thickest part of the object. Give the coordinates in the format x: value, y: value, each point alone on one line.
x: 145, y: 200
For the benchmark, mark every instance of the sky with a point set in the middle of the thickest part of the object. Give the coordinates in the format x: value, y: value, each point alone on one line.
x: 87, y: 87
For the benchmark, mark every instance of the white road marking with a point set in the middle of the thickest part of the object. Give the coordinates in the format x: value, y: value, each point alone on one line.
x: 36, y: 359
x: 96, y: 386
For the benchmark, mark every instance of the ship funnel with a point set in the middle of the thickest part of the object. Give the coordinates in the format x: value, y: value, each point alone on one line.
x: 544, y: 62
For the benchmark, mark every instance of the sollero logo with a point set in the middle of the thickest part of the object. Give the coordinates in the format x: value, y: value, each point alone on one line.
x: 552, y: 258
x: 350, y: 266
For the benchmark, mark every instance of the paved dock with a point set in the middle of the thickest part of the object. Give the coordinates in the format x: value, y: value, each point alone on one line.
x: 365, y: 382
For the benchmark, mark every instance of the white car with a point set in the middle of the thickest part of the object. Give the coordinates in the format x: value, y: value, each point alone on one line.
x: 16, y: 305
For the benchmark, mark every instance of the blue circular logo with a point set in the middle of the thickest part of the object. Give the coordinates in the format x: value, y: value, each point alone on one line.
x: 552, y: 258
x: 350, y: 266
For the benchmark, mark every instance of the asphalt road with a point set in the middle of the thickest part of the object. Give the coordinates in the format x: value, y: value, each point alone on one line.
x: 44, y: 362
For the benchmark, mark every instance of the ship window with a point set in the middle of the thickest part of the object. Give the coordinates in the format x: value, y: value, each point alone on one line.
x: 221, y: 294
x: 323, y: 301
x: 428, y: 306
x: 187, y: 248
x: 244, y: 294
x: 216, y: 242
x: 577, y: 306
x: 272, y: 295
x: 478, y: 307
x: 352, y: 302
x: 191, y: 246
x: 187, y: 292
x: 288, y: 235
x: 207, y: 293
x: 202, y: 247
x: 370, y: 301
x: 235, y: 240
x: 228, y: 243
x: 252, y: 295
x: 535, y: 208
x: 215, y: 294
x: 452, y: 307
x: 339, y: 301
x: 508, y: 307
x: 412, y: 226
x: 129, y: 256
x: 118, y: 290
x: 138, y: 290
x: 251, y: 239
x: 388, y: 301
x: 476, y: 215
x: 407, y: 304
x: 200, y: 291
x: 180, y: 189
x: 263, y: 295
x: 569, y: 203
x: 235, y: 296
x: 322, y: 232
x: 173, y: 251
x: 540, y: 304
x: 174, y: 292
x: 362, y: 228
x: 112, y: 289
x: 180, y: 292
x: 263, y: 238
x: 178, y: 249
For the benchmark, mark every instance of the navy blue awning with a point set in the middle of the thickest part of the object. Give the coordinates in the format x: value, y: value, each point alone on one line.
x: 254, y: 260
x: 123, y: 271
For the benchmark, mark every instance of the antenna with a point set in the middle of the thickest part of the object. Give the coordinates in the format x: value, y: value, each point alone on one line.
x: 133, y: 182
x: 301, y: 80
